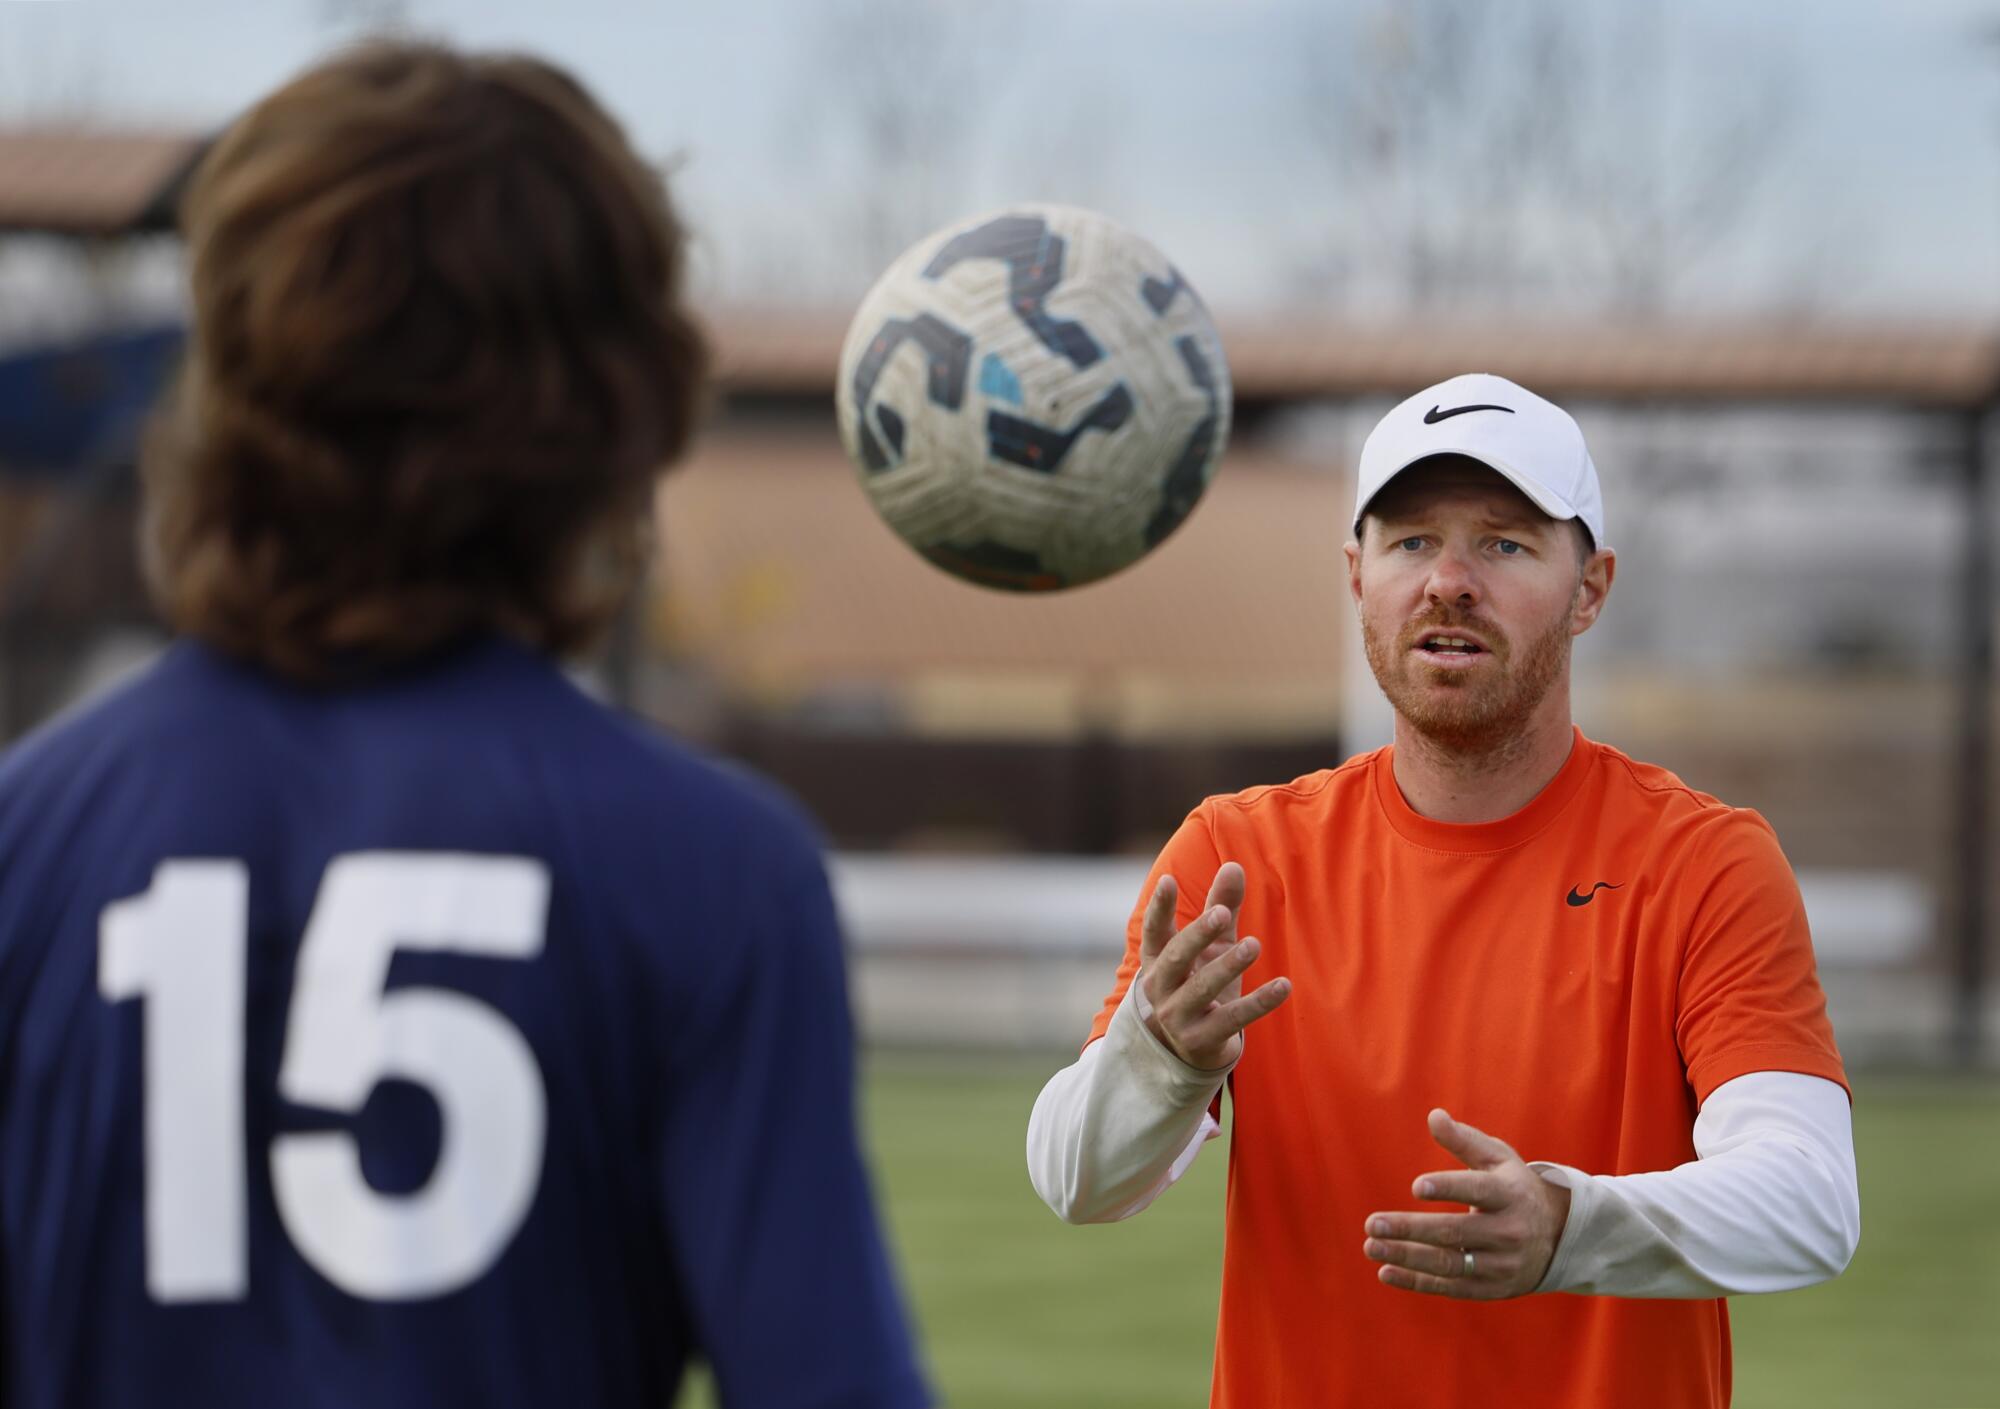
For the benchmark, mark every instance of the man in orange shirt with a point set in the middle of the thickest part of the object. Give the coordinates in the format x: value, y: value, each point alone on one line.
x: 1494, y: 936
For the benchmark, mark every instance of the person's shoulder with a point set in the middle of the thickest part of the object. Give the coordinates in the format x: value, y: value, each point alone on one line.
x: 739, y: 806
x: 630, y: 774
x: 148, y: 709
x: 1675, y: 806
x: 1310, y: 794
x: 1649, y: 785
x: 1648, y: 782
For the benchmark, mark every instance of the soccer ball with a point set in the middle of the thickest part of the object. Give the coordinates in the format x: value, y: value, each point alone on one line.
x: 1034, y: 398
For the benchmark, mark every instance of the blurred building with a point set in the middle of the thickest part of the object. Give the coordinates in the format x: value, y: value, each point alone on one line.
x: 1801, y: 622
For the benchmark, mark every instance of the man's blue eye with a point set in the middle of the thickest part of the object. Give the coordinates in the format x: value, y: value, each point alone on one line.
x: 1410, y: 545
x: 1509, y: 547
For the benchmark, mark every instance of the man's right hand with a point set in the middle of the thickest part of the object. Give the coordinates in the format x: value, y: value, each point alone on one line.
x: 1194, y: 979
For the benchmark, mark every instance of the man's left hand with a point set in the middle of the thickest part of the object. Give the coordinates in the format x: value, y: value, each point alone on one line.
x: 1511, y: 1233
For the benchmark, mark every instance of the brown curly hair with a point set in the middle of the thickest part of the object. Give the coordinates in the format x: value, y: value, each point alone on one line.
x: 439, y: 360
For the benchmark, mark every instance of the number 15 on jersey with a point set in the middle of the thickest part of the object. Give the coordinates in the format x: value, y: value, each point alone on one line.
x: 181, y: 946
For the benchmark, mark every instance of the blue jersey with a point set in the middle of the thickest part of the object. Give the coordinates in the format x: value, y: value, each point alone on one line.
x: 450, y: 1040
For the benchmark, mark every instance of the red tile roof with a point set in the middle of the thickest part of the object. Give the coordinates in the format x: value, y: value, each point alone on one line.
x: 1939, y: 365
x: 74, y: 182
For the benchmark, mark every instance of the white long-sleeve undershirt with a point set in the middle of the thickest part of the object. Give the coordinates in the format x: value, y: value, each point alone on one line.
x: 1770, y: 1203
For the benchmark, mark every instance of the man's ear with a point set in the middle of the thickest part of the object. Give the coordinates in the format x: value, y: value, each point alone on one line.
x: 1353, y: 551
x: 1591, y: 590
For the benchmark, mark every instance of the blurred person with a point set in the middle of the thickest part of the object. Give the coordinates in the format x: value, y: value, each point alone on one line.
x: 385, y: 1021
x: 1494, y: 935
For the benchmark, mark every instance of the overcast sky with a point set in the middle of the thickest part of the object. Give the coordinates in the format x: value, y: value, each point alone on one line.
x: 1190, y: 121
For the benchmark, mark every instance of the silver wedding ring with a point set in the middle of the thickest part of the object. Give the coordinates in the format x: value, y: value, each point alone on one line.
x: 1468, y: 1264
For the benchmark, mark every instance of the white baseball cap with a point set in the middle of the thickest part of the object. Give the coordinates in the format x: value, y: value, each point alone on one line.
x: 1534, y: 443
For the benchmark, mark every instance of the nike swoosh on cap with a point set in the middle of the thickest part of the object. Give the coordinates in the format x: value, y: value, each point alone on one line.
x: 1433, y: 416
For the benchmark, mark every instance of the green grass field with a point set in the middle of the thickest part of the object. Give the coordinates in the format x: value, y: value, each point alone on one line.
x: 1017, y: 1309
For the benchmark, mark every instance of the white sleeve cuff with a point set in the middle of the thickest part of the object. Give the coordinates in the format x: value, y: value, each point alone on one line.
x: 1160, y: 1068
x: 1769, y: 1204
x: 1115, y: 1129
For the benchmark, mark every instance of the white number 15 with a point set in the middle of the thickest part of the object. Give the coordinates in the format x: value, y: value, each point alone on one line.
x: 181, y: 945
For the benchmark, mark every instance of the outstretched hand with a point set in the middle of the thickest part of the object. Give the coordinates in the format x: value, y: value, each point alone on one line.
x: 1194, y: 979
x: 1517, y: 1219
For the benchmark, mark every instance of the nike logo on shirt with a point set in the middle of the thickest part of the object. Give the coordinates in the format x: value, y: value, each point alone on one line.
x: 1576, y: 899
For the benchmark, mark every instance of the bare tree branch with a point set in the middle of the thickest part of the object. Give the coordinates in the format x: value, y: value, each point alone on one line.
x: 1493, y: 157
x: 897, y: 89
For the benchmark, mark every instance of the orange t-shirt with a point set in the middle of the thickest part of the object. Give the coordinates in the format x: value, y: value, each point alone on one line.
x: 1482, y: 968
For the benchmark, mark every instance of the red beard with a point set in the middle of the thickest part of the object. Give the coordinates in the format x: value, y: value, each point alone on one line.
x: 1469, y: 711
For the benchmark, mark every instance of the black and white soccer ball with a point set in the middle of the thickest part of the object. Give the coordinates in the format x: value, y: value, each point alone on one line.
x: 1034, y: 398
